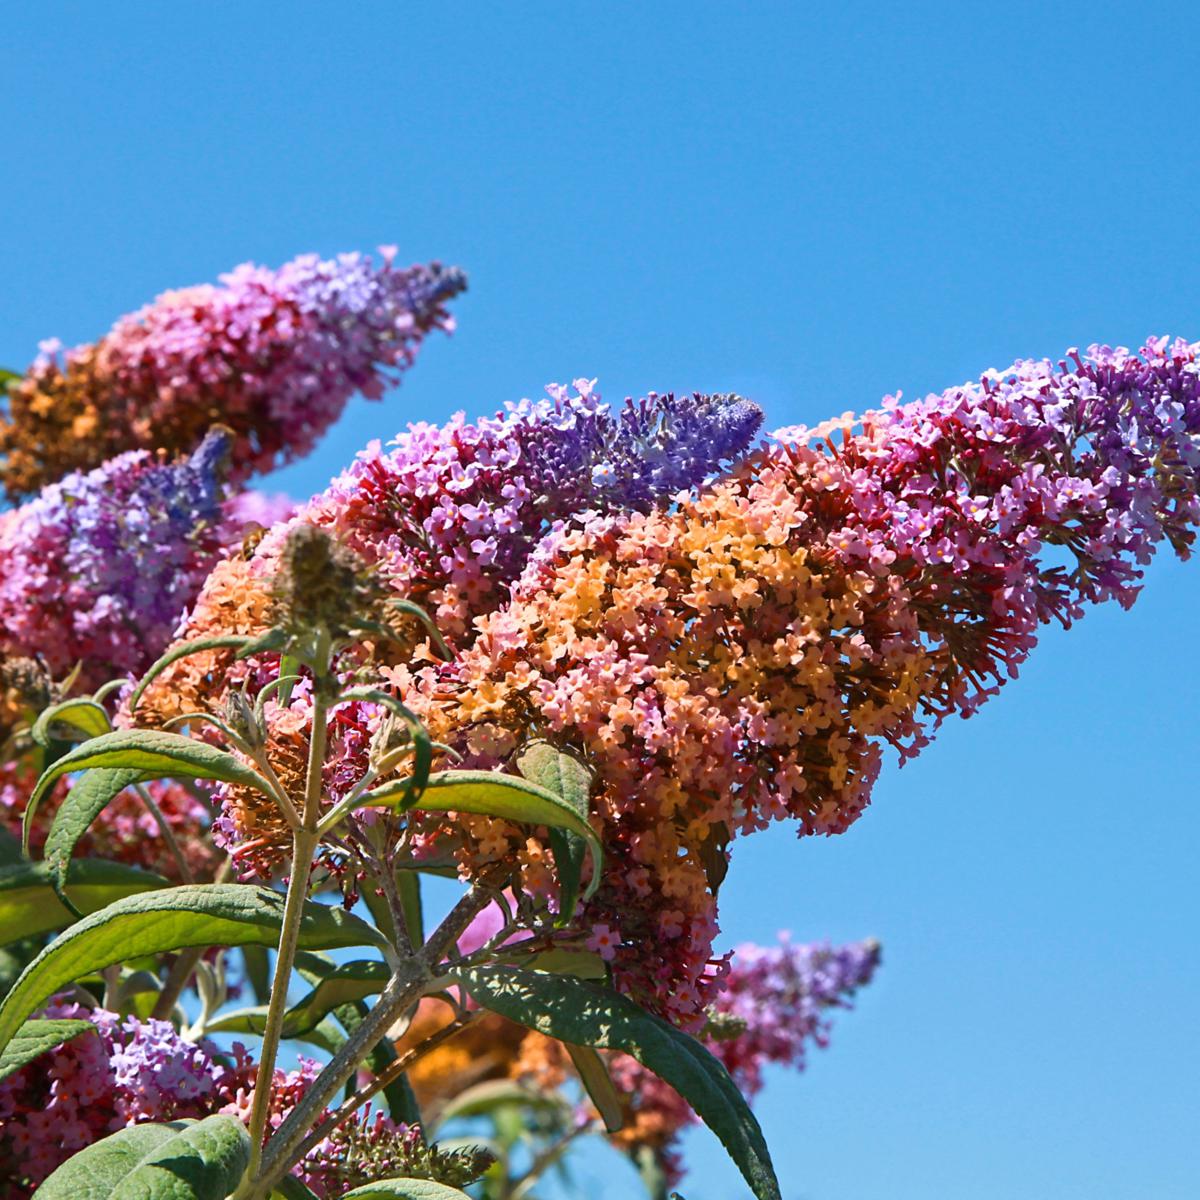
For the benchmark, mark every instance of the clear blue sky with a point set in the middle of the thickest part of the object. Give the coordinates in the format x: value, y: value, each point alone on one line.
x: 814, y: 207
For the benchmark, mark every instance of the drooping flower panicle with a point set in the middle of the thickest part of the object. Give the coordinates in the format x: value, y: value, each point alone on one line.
x: 743, y: 657
x: 273, y: 354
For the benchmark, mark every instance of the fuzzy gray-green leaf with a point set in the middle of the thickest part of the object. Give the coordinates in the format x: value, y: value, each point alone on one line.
x: 490, y: 794
x: 34, y: 1038
x: 405, y: 1189
x: 82, y: 714
x: 185, y: 1160
x: 157, y: 755
x: 79, y: 808
x: 29, y: 905
x: 212, y: 914
x: 567, y: 777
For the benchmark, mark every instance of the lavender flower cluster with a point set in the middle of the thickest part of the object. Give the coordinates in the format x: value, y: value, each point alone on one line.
x: 99, y: 568
x: 125, y: 1072
x: 781, y: 997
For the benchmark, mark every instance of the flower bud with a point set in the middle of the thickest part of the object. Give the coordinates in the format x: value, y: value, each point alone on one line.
x: 241, y: 718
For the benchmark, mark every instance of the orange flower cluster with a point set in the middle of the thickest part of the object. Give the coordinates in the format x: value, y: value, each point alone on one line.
x: 719, y: 671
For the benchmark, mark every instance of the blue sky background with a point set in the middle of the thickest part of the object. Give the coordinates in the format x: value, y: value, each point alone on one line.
x: 813, y: 207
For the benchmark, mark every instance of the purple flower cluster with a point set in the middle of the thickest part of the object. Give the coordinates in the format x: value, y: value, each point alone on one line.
x: 1014, y: 501
x: 99, y: 568
x: 777, y: 999
x: 774, y: 1002
x: 1110, y: 450
x: 581, y: 455
x: 125, y: 1072
x: 275, y: 354
x: 452, y: 513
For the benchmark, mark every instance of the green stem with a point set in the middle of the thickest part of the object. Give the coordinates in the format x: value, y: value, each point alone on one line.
x: 177, y: 979
x: 410, y: 982
x: 303, y: 846
x: 168, y: 834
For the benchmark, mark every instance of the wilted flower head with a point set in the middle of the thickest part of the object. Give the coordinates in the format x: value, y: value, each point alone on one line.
x: 25, y: 689
x: 274, y: 353
x: 321, y: 584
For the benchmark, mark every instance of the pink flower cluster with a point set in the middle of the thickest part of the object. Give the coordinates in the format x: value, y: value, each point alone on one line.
x: 743, y: 657
x: 273, y: 354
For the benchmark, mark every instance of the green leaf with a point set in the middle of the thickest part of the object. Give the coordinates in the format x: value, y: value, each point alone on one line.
x: 175, y: 653
x: 82, y: 714
x: 273, y: 639
x: 10, y: 849
x: 584, y: 964
x: 258, y: 971
x: 96, y: 1170
x: 493, y: 795
x: 594, y: 1076
x: 574, y: 1011
x: 185, y: 1160
x: 405, y: 1189
x: 79, y: 808
x: 484, y: 1098
x: 570, y: 780
x: 349, y: 982
x: 344, y: 985
x: 34, y: 1038
x: 155, y: 754
x: 408, y: 886
x: 325, y: 1035
x: 289, y: 664
x: 29, y: 905
x: 206, y: 914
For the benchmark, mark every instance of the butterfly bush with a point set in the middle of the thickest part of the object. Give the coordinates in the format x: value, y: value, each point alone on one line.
x: 741, y: 657
x: 448, y: 517
x: 776, y: 1001
x: 128, y: 831
x: 273, y: 354
x: 125, y: 1072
